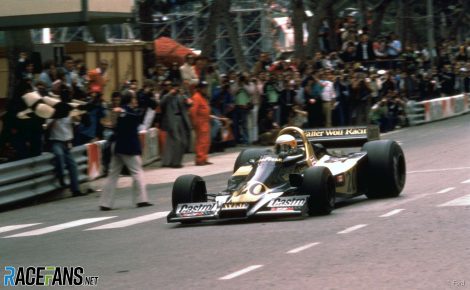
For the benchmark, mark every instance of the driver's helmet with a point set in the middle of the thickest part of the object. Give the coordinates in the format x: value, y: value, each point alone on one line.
x: 284, y: 143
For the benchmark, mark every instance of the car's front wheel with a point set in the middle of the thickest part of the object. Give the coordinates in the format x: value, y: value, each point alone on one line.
x: 187, y: 189
x: 318, y: 183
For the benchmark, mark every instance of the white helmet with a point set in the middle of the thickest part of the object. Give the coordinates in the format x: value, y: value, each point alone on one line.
x: 285, y: 142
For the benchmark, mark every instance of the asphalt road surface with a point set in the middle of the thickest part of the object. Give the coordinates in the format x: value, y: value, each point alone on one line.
x: 420, y: 240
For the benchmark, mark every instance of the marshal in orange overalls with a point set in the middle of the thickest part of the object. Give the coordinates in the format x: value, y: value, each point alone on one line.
x: 200, y: 117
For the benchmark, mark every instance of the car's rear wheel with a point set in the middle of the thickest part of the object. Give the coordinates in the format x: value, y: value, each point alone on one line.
x: 319, y: 184
x: 187, y: 189
x: 385, y: 168
x: 246, y: 155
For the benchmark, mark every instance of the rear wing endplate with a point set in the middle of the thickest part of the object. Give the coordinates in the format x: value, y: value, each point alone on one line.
x: 343, y: 137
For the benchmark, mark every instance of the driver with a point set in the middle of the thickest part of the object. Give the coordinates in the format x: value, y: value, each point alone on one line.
x: 286, y: 145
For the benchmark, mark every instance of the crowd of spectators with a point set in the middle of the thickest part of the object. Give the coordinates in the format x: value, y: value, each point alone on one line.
x: 366, y: 81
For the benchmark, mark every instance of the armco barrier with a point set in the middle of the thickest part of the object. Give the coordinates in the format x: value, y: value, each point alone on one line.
x: 23, y: 179
x: 437, y: 109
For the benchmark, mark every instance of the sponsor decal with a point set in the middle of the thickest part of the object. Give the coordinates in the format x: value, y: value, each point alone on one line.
x: 195, y: 208
x: 256, y: 187
x: 270, y: 159
x: 47, y: 276
x: 336, y: 132
x: 287, y: 202
x: 459, y: 105
x: 240, y: 205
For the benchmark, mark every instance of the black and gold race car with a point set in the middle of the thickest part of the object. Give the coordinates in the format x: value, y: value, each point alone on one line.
x: 304, y: 177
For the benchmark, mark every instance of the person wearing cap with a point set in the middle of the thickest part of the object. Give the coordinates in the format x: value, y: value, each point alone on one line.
x: 175, y: 122
x: 200, y: 113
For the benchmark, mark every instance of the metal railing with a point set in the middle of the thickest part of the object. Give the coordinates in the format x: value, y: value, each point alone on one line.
x: 23, y: 179
x: 437, y: 109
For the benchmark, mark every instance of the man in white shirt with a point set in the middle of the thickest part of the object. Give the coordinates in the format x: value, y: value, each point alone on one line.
x: 188, y: 74
x: 328, y: 96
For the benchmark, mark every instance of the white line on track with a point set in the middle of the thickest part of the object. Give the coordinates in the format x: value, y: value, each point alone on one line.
x: 438, y: 170
x: 300, y: 249
x: 466, y: 181
x: 60, y: 227
x: 461, y: 201
x: 16, y: 227
x: 446, y: 190
x: 352, y: 229
x: 393, y: 212
x: 132, y: 221
x: 241, y: 272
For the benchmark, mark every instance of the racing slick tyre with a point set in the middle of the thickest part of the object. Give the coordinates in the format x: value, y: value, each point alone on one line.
x: 246, y: 155
x: 385, y: 168
x: 188, y: 188
x: 319, y: 184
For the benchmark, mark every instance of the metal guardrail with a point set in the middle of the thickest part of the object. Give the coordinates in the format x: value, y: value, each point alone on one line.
x: 437, y: 109
x: 27, y: 178
x: 23, y: 179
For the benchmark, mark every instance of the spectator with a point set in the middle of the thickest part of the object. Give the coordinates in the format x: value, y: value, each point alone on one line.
x: 188, y: 74
x: 394, y: 47
x: 349, y: 54
x: 268, y: 129
x: 147, y: 104
x: 175, y: 122
x: 378, y: 115
x: 48, y: 74
x: 174, y: 74
x: 60, y: 138
x: 360, y: 99
x: 98, y: 77
x: 341, y: 116
x: 243, y: 91
x: 127, y: 151
x: 287, y: 101
x: 365, y: 51
x: 312, y: 95
x: 263, y: 63
x: 89, y: 128
x: 328, y: 97
x: 200, y: 118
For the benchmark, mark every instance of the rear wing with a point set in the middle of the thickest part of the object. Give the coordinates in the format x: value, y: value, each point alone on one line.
x: 342, y: 137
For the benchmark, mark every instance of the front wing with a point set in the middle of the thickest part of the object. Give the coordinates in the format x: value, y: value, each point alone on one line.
x: 275, y: 207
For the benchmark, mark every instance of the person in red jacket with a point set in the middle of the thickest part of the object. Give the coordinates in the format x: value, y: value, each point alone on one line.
x: 200, y: 113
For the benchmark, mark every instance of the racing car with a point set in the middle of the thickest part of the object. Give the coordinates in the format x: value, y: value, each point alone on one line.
x: 304, y: 174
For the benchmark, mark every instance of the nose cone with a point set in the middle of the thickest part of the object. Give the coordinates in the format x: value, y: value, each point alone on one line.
x: 251, y: 192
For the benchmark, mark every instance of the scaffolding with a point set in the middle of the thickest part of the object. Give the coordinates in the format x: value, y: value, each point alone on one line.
x: 187, y: 25
x: 188, y: 28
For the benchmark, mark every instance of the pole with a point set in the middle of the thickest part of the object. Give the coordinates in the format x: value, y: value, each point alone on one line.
x: 430, y: 24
